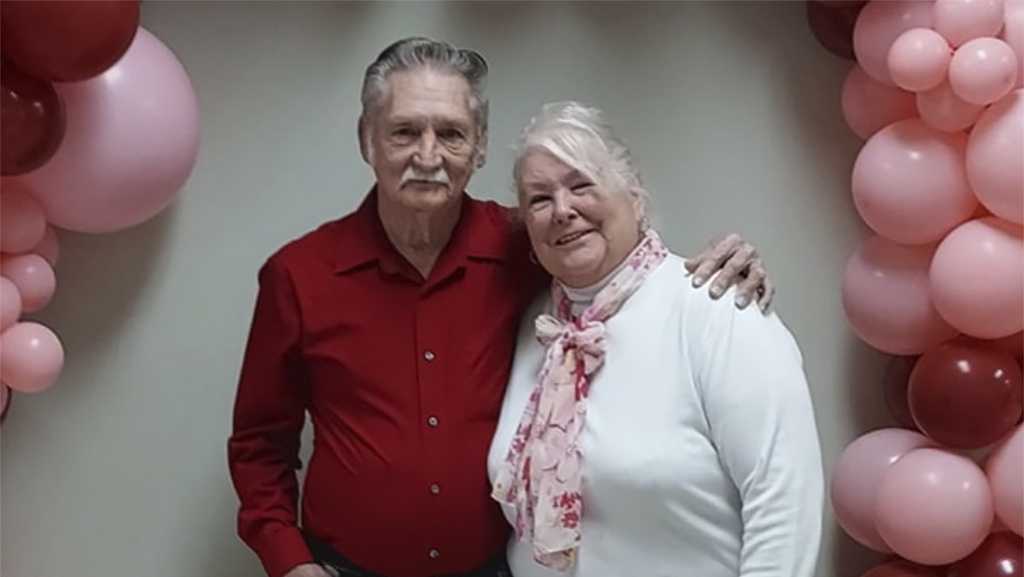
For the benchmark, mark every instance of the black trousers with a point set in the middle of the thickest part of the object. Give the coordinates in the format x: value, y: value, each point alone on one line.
x: 327, y: 556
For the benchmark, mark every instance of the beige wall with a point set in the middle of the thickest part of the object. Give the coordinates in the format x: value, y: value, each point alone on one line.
x: 732, y: 111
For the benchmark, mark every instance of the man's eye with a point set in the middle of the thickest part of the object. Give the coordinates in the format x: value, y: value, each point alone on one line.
x: 404, y: 133
x: 451, y: 135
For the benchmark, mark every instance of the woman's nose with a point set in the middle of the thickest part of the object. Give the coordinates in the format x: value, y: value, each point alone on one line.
x: 564, y: 210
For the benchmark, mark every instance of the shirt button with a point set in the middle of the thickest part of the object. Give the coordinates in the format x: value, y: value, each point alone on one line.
x: 433, y: 553
x: 429, y: 355
x: 435, y: 489
x: 432, y: 421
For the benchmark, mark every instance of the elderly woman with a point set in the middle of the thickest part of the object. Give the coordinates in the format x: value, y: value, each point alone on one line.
x: 647, y: 429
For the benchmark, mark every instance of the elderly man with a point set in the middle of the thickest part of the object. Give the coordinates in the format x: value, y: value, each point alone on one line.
x: 394, y: 328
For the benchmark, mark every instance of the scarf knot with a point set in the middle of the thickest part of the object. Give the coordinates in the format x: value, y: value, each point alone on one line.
x: 587, y: 337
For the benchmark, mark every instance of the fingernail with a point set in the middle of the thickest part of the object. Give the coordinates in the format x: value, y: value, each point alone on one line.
x: 716, y: 291
x: 698, y: 280
x: 742, y: 301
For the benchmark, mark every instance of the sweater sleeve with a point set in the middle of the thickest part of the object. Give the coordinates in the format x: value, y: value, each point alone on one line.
x: 749, y: 372
x: 268, y: 419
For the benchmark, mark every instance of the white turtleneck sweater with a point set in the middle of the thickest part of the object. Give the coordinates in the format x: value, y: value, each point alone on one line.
x: 700, y: 450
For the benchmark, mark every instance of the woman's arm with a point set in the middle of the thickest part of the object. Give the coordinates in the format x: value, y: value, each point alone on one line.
x: 749, y: 370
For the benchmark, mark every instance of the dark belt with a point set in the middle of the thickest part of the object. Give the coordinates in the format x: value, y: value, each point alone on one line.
x: 326, y: 555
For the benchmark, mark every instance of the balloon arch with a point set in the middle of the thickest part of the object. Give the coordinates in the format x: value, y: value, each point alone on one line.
x: 936, y: 92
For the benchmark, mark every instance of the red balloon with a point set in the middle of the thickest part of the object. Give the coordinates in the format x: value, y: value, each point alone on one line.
x: 67, y: 40
x: 1001, y: 555
x: 966, y: 397
x: 31, y: 121
x: 832, y: 23
x: 902, y: 568
x: 894, y: 385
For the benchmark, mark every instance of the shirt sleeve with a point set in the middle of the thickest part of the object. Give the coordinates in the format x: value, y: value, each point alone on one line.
x: 268, y: 419
x: 749, y: 370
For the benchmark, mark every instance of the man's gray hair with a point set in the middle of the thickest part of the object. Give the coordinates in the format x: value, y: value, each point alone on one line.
x: 418, y: 52
x: 579, y: 136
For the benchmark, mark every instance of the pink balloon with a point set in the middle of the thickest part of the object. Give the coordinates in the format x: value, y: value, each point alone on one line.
x: 886, y: 296
x: 48, y: 247
x: 869, y: 105
x: 34, y: 278
x: 10, y: 303
x: 857, y: 475
x: 995, y: 158
x: 1005, y: 470
x: 934, y: 507
x: 962, y: 20
x: 1013, y: 34
x: 943, y: 110
x: 31, y: 357
x: 879, y: 25
x: 918, y: 59
x: 909, y: 182
x: 983, y: 70
x: 131, y: 142
x: 22, y: 221
x: 977, y: 278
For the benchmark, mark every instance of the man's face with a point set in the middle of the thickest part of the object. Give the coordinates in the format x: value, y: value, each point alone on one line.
x: 422, y: 139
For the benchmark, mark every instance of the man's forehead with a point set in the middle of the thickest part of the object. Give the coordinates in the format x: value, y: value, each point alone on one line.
x: 425, y: 92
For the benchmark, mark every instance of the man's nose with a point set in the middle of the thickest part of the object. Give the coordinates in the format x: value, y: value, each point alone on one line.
x: 427, y: 155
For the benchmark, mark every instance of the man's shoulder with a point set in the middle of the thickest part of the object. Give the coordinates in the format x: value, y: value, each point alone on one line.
x: 314, y: 245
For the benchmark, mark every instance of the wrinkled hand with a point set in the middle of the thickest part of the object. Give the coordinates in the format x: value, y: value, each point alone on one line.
x: 733, y: 261
x: 307, y: 570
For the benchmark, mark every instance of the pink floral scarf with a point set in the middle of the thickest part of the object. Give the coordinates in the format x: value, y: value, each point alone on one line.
x: 542, y: 474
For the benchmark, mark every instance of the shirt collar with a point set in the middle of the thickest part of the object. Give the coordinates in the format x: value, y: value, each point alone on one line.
x: 481, y: 233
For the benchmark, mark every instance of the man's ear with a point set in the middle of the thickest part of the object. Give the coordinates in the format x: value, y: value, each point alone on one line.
x: 481, y: 150
x: 363, y: 133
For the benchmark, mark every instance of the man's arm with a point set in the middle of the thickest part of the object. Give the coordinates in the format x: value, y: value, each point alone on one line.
x: 268, y: 418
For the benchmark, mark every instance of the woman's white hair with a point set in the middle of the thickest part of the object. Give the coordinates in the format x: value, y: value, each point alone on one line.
x: 579, y: 136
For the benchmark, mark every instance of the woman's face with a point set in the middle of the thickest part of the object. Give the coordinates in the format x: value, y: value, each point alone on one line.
x: 579, y: 231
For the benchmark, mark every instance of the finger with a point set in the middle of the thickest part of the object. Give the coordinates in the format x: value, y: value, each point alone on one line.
x: 730, y: 273
x: 712, y: 260
x: 749, y: 290
x: 765, y: 302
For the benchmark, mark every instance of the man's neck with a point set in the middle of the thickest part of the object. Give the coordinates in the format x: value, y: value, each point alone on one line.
x: 420, y: 236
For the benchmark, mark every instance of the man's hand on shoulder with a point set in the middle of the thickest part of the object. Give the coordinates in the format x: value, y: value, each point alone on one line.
x: 733, y: 261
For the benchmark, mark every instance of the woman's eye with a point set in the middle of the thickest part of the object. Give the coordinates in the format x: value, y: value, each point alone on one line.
x: 580, y: 186
x: 539, y: 199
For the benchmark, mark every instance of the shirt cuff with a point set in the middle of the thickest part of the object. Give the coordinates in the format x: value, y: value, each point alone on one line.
x: 283, y: 551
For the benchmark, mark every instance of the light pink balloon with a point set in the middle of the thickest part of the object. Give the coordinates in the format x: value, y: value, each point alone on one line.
x: 1013, y: 34
x: 918, y: 59
x: 886, y: 296
x: 962, y: 20
x: 22, y: 221
x: 983, y: 70
x: 10, y: 303
x: 995, y: 158
x: 879, y: 25
x: 909, y: 182
x: 31, y: 357
x: 131, y: 141
x: 943, y: 110
x: 977, y: 278
x: 857, y: 475
x: 869, y: 105
x: 1005, y: 470
x: 34, y: 278
x: 934, y: 507
x: 49, y: 247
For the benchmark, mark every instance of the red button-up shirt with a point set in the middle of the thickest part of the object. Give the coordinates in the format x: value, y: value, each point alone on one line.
x: 403, y: 378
